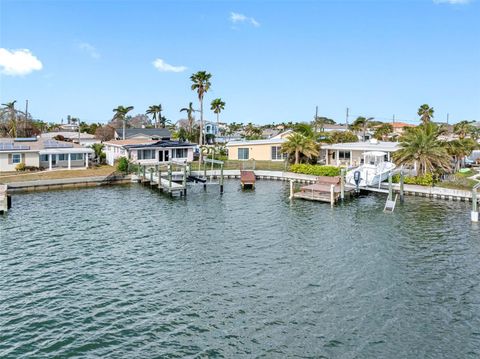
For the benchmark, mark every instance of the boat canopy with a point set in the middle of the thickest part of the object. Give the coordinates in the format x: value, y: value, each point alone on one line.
x: 375, y: 153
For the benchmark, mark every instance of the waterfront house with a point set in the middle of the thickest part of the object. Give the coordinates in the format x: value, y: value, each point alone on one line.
x: 149, y: 151
x: 260, y: 150
x: 143, y: 133
x: 84, y: 139
x: 42, y: 153
x: 351, y: 153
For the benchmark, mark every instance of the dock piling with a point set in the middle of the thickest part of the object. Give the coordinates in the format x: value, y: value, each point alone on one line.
x: 332, y: 195
x: 474, y: 213
x: 291, y: 189
x: 221, y: 178
x: 342, y: 184
x: 390, y: 187
x: 402, y: 180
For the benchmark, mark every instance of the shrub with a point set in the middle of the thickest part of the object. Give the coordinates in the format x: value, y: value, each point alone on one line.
x: 122, y: 164
x: 20, y: 167
x: 424, y: 180
x: 315, y: 170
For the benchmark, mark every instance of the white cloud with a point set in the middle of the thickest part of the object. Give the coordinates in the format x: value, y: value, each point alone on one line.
x: 18, y: 62
x: 89, y: 49
x: 452, y: 2
x: 237, y: 18
x: 162, y: 66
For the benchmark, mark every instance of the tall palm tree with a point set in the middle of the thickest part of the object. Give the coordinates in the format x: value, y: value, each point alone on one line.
x: 382, y: 131
x: 297, y: 144
x: 463, y: 129
x: 217, y: 106
x: 190, y: 118
x: 426, y: 113
x: 361, y: 124
x: 459, y: 149
x: 10, y: 109
x: 421, y: 146
x: 155, y: 110
x: 120, y: 114
x: 201, y: 84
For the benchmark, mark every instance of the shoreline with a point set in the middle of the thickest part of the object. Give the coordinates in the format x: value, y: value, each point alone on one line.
x: 92, y: 181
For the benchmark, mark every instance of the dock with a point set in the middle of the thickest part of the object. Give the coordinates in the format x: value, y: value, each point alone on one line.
x: 153, y: 177
x: 326, y: 189
x: 5, y: 199
x: 247, y: 179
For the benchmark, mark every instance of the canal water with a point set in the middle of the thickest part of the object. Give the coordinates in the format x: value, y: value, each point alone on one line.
x: 125, y: 272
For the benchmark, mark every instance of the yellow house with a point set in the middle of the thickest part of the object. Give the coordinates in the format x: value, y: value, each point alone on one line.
x: 259, y: 150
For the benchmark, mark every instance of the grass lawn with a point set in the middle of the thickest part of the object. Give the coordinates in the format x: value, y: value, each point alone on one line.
x: 60, y: 174
x: 460, y: 181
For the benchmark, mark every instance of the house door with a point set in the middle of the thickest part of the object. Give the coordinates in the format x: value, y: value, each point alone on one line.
x: 166, y: 156
x: 160, y: 156
x: 54, y: 160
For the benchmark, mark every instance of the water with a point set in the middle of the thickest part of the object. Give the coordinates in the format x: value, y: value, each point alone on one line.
x: 124, y: 272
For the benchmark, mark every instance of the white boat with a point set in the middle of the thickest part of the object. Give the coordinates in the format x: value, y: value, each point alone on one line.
x: 374, y: 170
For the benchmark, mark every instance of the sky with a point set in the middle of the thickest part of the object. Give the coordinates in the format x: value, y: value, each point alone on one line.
x: 271, y: 61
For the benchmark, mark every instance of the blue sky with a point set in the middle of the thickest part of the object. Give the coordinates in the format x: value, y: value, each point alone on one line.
x: 271, y: 61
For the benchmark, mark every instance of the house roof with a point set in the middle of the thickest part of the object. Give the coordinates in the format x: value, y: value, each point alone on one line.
x: 162, y: 144
x: 364, y: 146
x: 40, y: 145
x: 146, y: 132
x: 67, y: 134
x: 270, y: 141
x: 132, y: 141
x: 401, y: 124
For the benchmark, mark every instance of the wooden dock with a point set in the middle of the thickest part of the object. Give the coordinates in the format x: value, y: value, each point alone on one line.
x: 326, y: 189
x: 247, y: 179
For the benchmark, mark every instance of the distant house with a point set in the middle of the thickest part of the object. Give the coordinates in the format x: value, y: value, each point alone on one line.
x: 211, y: 128
x: 143, y: 133
x: 148, y: 151
x: 399, y: 127
x: 42, y: 153
x: 84, y: 139
x: 351, y: 153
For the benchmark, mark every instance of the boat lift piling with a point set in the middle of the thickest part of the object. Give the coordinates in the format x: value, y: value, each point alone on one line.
x: 342, y: 184
x: 402, y: 180
x: 474, y: 213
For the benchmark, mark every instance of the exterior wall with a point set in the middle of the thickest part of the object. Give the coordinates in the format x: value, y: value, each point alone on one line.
x: 356, y: 157
x: 113, y: 153
x: 189, y: 158
x: 259, y: 152
x: 29, y: 158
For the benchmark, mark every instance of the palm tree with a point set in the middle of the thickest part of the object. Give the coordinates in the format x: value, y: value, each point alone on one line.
x: 191, y: 119
x: 10, y: 109
x: 426, y: 113
x: 98, y: 150
x: 463, y: 129
x: 201, y: 83
x: 459, y: 149
x: 361, y: 123
x: 155, y: 110
x: 217, y: 106
x: 120, y: 114
x: 421, y: 146
x: 299, y: 144
x: 252, y: 132
x: 305, y: 129
x: 382, y: 131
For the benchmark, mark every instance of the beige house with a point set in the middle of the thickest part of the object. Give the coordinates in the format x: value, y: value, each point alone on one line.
x: 42, y: 153
x: 259, y: 150
x: 351, y: 153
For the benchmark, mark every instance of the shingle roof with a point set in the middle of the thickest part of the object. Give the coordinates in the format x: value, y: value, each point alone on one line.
x: 147, y: 132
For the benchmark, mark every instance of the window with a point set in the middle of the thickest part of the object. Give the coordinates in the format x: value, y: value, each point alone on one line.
x: 343, y: 155
x: 277, y: 153
x: 43, y: 158
x: 76, y: 156
x: 146, y: 154
x: 243, y: 154
x: 16, y: 158
x: 180, y: 153
x: 62, y: 157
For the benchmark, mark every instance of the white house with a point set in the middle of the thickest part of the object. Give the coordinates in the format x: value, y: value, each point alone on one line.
x: 42, y: 153
x: 149, y: 151
x: 351, y: 153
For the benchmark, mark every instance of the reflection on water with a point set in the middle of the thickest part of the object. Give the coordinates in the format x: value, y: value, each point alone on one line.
x: 127, y: 272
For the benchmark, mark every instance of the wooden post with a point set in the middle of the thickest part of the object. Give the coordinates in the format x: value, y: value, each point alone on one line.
x: 332, y: 195
x: 390, y: 187
x: 205, y: 175
x: 184, y: 180
x: 474, y: 214
x: 160, y: 178
x: 221, y: 178
x: 342, y: 183
x: 144, y: 169
x: 402, y: 180
x: 151, y: 175
x: 291, y: 189
x: 170, y: 177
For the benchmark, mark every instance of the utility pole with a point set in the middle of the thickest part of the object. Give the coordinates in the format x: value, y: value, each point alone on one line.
x: 316, y: 112
x: 393, y: 119
x: 448, y: 117
x: 26, y: 119
x: 346, y: 118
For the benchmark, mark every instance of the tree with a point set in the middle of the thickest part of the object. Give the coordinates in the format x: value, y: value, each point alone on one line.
x: 361, y: 124
x: 155, y: 110
x: 120, y: 114
x: 98, y: 150
x: 421, y: 147
x: 426, y: 113
x: 459, y: 149
x: 464, y: 129
x: 105, y: 133
x: 297, y: 144
x: 217, y: 106
x: 201, y: 84
x: 341, y: 137
x: 252, y: 132
x: 190, y: 118
x: 304, y: 128
x: 319, y: 122
x: 382, y: 131
x: 12, y: 113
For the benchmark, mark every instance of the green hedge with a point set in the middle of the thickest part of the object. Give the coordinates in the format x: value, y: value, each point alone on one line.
x: 425, y: 180
x: 315, y: 170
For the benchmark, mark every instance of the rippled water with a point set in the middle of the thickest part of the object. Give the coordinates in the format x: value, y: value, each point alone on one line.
x: 124, y: 272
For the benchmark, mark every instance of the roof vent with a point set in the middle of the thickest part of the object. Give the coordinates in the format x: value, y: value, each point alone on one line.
x: 374, y: 141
